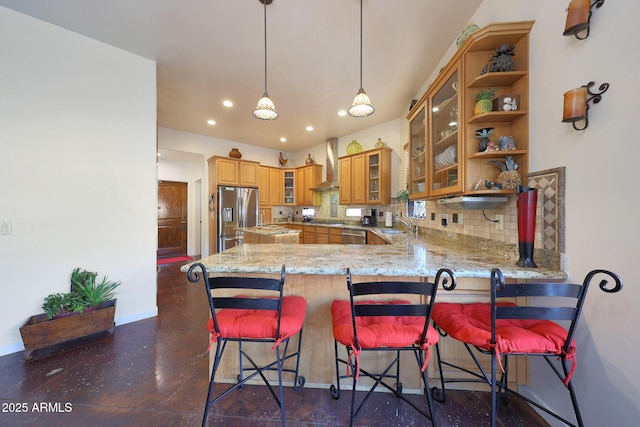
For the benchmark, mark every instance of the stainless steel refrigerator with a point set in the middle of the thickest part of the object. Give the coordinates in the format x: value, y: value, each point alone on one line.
x: 237, y: 207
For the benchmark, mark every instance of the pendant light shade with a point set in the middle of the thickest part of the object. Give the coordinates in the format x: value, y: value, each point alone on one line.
x: 265, y: 110
x: 361, y: 106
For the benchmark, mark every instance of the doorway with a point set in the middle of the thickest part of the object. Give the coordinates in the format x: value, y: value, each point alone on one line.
x: 172, y: 219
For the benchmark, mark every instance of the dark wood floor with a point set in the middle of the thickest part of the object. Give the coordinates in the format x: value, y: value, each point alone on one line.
x: 154, y: 373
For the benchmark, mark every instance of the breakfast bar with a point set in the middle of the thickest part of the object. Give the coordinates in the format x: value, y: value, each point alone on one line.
x: 317, y: 272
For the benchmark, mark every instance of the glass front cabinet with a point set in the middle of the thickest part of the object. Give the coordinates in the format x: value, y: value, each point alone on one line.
x: 378, y: 176
x: 447, y: 155
x: 443, y: 139
x: 417, y: 156
x: 289, y: 188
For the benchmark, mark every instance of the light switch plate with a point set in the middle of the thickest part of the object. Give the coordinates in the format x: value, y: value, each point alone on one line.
x: 5, y: 228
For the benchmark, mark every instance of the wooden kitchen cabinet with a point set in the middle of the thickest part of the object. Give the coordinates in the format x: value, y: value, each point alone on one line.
x: 305, y: 178
x: 276, y: 187
x: 322, y: 235
x: 417, y: 155
x: 372, y: 239
x: 443, y: 148
x: 444, y: 153
x: 344, y: 193
x: 365, y: 177
x: 229, y: 171
x: 309, y: 234
x: 335, y: 235
x: 263, y: 185
x: 289, y: 196
x: 378, y: 176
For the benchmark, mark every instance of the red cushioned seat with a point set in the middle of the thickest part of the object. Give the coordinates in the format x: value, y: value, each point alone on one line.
x: 471, y: 323
x: 503, y: 329
x: 376, y: 319
x: 242, y: 323
x: 260, y: 314
x: 378, y: 331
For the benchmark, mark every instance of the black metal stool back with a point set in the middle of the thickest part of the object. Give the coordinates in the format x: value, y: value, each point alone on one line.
x: 254, y: 315
x: 530, y: 329
x: 378, y: 321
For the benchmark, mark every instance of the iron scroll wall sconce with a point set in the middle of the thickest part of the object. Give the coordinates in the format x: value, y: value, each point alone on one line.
x: 576, y: 103
x: 579, y: 18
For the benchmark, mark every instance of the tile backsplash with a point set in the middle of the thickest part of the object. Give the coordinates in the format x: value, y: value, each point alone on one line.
x: 550, y: 224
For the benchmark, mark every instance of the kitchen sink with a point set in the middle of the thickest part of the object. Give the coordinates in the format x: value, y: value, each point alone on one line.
x: 392, y: 231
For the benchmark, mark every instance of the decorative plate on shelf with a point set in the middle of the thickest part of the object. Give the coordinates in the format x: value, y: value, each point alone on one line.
x: 354, y: 147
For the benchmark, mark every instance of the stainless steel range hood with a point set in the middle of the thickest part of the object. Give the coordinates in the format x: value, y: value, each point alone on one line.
x: 331, y: 182
x: 473, y: 202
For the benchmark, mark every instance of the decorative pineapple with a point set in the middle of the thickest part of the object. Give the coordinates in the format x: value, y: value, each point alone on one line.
x: 484, y: 134
x: 502, y: 60
x: 509, y: 178
x: 483, y: 100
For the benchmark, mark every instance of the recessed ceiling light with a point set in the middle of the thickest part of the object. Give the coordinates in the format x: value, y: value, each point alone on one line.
x: 211, y: 122
x: 283, y: 139
x: 342, y: 113
x: 309, y: 128
x: 227, y: 103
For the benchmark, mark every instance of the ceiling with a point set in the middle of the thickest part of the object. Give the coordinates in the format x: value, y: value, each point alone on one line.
x: 208, y: 51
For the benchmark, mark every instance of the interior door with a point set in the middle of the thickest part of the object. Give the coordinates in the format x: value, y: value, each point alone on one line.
x: 172, y: 219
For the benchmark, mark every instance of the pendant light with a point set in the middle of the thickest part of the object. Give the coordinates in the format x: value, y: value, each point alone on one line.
x: 265, y: 110
x: 361, y: 106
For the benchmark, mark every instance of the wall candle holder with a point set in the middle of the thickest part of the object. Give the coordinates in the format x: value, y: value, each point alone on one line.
x: 576, y: 103
x: 579, y: 18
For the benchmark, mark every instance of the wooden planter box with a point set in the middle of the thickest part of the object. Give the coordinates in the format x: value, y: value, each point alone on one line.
x: 43, y: 336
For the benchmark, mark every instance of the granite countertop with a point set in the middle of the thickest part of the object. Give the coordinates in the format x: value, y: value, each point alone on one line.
x: 407, y: 256
x: 268, y: 230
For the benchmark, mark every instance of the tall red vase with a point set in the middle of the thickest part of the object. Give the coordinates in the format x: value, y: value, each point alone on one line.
x: 526, y: 205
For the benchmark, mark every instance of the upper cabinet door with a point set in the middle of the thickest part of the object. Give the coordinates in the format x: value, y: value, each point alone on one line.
x: 417, y: 154
x: 444, y: 141
x: 379, y: 177
x: 289, y: 187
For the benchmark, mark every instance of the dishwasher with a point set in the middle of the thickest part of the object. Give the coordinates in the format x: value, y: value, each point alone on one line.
x: 352, y: 236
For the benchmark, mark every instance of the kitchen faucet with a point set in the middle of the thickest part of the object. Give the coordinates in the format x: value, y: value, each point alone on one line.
x: 261, y: 219
x: 408, y: 224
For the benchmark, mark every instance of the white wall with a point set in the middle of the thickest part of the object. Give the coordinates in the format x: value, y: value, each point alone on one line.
x: 77, y: 170
x: 601, y: 211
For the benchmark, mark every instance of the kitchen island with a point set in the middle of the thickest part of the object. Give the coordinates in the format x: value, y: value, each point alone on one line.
x: 270, y: 234
x: 317, y: 272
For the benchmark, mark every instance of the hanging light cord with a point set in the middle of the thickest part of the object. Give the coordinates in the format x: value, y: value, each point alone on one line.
x: 265, y: 45
x: 360, y: 44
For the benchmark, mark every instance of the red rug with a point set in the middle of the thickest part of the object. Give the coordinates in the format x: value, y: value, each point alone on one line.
x: 174, y: 259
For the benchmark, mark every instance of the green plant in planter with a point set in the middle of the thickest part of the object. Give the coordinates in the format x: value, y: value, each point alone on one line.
x: 85, y: 284
x: 86, y: 292
x: 484, y: 100
x: 59, y: 303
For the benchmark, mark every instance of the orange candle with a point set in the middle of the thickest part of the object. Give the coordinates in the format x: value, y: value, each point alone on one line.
x: 577, y: 17
x: 575, y: 105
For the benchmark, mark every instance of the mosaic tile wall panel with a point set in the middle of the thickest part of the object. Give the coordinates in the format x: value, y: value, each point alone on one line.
x: 551, y: 184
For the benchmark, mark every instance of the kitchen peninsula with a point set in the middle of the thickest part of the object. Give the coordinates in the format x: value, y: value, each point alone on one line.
x: 317, y: 272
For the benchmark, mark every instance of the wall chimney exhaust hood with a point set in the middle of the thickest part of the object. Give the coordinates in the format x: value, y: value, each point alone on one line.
x: 331, y: 182
x: 473, y: 202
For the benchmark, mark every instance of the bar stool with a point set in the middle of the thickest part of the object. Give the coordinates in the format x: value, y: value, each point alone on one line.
x: 259, y: 314
x: 374, y: 319
x: 502, y: 329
